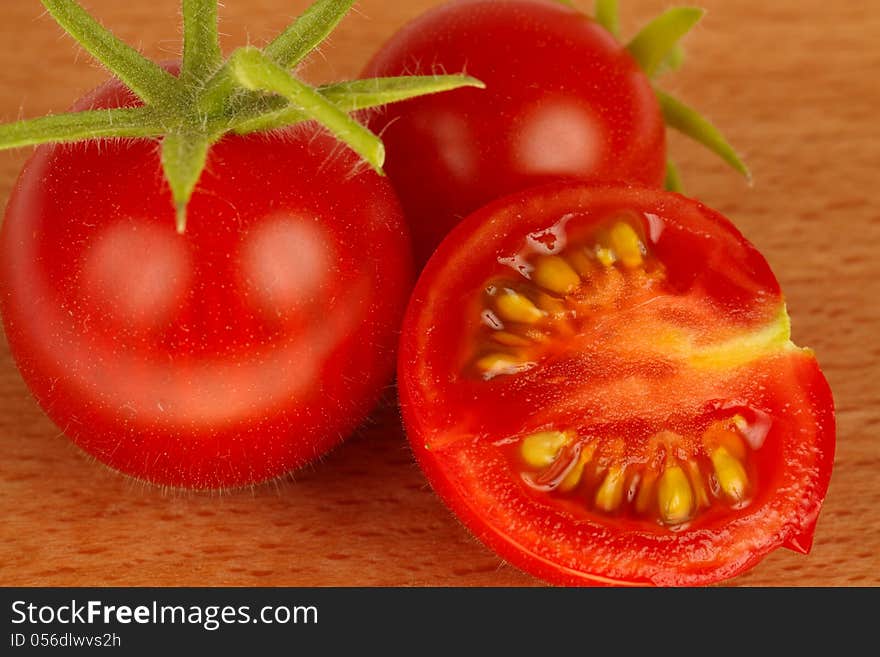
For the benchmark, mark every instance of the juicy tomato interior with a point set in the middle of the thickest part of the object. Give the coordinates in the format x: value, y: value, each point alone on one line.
x: 228, y: 355
x: 563, y: 100
x: 601, y: 382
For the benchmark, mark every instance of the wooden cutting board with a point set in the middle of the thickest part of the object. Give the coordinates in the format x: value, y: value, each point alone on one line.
x: 793, y: 84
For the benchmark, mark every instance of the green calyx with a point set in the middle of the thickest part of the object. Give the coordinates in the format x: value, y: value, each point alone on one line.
x: 253, y: 90
x: 657, y: 49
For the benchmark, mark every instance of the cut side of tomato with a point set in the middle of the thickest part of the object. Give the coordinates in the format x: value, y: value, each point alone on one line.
x: 600, y: 382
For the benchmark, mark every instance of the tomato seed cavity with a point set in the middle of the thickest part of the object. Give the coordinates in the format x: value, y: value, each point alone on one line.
x: 667, y: 477
x: 674, y: 479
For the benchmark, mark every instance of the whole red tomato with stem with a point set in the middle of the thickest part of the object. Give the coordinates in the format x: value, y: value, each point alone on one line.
x: 216, y: 308
x: 564, y: 100
x: 600, y: 383
x: 230, y: 354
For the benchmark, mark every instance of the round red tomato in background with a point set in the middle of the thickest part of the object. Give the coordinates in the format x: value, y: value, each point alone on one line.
x: 225, y: 356
x: 563, y: 99
x: 600, y: 383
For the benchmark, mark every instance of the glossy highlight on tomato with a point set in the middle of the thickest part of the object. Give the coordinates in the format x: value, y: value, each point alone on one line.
x: 600, y: 382
x: 228, y: 355
x: 563, y: 99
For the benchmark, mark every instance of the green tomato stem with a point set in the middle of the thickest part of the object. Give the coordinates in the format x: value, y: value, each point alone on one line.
x: 255, y: 71
x: 218, y: 92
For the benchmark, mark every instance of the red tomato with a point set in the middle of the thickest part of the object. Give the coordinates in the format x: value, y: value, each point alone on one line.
x: 231, y: 354
x: 600, y: 382
x: 564, y: 99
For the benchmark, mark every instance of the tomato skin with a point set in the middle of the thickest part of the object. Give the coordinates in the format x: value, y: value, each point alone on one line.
x: 454, y: 422
x: 564, y: 100
x: 229, y: 355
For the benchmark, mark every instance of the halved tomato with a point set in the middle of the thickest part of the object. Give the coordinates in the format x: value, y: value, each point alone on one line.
x: 600, y: 382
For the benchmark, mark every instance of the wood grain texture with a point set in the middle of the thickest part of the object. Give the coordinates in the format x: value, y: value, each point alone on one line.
x: 793, y: 84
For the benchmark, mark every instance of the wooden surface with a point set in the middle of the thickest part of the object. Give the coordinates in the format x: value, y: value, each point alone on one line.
x: 794, y: 85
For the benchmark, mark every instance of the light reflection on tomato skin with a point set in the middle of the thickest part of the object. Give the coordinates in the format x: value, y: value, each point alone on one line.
x: 229, y: 355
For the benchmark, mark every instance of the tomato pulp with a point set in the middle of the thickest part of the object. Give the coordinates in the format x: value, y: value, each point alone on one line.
x: 225, y: 356
x: 563, y: 99
x: 600, y: 383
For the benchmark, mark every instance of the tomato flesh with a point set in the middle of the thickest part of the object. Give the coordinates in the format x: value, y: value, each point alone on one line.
x: 563, y: 99
x: 600, y: 382
x: 228, y: 355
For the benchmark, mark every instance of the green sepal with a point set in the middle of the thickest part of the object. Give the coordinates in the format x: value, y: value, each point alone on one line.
x: 255, y: 71
x: 81, y: 126
x: 149, y: 81
x: 657, y: 40
x: 673, y: 178
x: 608, y: 16
x: 212, y: 98
x: 673, y: 62
x: 201, y: 42
x: 184, y: 156
x: 287, y: 51
x: 690, y: 123
x: 362, y: 94
x: 307, y: 32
